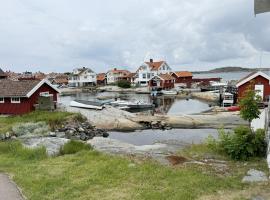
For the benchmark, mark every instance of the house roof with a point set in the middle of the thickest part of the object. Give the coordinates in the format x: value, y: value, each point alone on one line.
x: 165, y: 77
x: 252, y: 76
x: 101, y: 77
x: 125, y: 73
x: 61, y: 79
x: 24, y: 88
x: 2, y: 73
x: 154, y: 66
x: 183, y: 74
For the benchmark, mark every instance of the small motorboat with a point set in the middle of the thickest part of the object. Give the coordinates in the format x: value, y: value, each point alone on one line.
x: 132, y: 105
x: 169, y: 92
x: 233, y: 108
x: 87, y: 104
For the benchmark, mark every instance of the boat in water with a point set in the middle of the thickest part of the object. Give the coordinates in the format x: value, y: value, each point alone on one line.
x: 132, y: 105
x: 169, y: 92
x: 87, y: 104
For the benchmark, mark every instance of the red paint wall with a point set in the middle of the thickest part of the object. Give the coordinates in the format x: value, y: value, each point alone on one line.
x: 259, y: 80
x: 27, y: 104
x: 163, y: 84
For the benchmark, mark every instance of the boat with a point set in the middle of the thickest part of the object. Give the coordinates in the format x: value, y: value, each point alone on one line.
x: 233, y: 108
x: 132, y: 105
x: 169, y: 92
x: 87, y: 104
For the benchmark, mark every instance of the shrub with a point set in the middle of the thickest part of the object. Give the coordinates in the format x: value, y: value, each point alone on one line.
x: 241, y: 144
x: 73, y: 147
x: 39, y: 128
x: 123, y: 84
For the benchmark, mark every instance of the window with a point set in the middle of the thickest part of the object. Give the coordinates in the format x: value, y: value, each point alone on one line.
x: 44, y: 94
x: 15, y: 100
x: 2, y: 100
x: 144, y: 76
x: 148, y: 75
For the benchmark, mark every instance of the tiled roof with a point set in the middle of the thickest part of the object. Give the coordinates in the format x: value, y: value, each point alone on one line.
x: 154, y: 66
x: 9, y: 88
x: 183, y: 74
x: 166, y: 77
x: 101, y: 77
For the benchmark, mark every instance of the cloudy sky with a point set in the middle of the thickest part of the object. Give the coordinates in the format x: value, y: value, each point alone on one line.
x: 58, y: 35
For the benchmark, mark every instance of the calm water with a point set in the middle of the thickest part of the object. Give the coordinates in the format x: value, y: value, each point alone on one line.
x: 226, y: 76
x: 165, y: 105
x: 148, y: 137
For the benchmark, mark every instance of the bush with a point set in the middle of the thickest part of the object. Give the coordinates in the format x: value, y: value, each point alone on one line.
x: 73, y: 147
x: 123, y: 84
x: 39, y: 128
x: 241, y: 144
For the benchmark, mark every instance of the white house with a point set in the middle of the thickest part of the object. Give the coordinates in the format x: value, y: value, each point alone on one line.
x: 116, y: 75
x: 82, y: 77
x: 150, y: 69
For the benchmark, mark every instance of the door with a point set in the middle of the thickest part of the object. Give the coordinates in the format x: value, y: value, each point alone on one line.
x: 259, y: 90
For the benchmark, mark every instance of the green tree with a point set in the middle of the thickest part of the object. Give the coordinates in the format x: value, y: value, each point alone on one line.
x: 249, y: 106
x: 124, y: 84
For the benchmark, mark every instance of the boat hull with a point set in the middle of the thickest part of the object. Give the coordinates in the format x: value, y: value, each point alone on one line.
x: 87, y: 105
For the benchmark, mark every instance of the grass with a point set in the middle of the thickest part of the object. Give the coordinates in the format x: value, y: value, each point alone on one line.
x: 74, y: 146
x: 51, y: 118
x: 91, y: 175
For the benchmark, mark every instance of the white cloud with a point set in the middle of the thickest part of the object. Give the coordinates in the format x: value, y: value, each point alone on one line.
x: 59, y: 35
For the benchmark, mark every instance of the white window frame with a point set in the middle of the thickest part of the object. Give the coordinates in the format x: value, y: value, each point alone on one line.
x: 2, y: 100
x: 15, y: 101
x: 44, y: 94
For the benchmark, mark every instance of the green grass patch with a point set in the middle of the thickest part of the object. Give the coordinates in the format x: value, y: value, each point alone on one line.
x: 51, y: 118
x: 74, y: 146
x: 16, y: 150
x: 92, y: 175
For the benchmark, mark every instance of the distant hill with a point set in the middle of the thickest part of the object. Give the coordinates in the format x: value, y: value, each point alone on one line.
x: 231, y: 69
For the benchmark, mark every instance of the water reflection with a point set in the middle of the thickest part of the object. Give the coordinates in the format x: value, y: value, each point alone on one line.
x: 163, y: 104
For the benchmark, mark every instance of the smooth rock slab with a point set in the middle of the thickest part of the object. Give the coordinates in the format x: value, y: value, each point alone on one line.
x: 255, y: 176
x: 8, y: 189
x: 52, y: 144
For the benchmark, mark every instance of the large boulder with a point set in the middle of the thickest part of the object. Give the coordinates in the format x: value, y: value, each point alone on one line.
x: 255, y: 176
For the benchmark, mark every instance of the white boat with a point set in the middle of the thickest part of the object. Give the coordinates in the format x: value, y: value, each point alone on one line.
x: 169, y: 92
x: 87, y: 104
x: 132, y: 105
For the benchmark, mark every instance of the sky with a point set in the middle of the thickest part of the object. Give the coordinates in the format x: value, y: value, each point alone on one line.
x: 59, y: 35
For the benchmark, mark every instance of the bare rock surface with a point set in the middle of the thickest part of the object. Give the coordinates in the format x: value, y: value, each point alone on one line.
x: 255, y: 176
x: 52, y: 144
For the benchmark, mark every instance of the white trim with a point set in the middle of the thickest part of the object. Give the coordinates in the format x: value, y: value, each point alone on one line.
x: 2, y: 101
x: 29, y: 94
x: 252, y: 77
x: 12, y: 100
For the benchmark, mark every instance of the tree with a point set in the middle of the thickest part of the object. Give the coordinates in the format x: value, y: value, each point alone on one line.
x: 123, y: 84
x: 249, y: 106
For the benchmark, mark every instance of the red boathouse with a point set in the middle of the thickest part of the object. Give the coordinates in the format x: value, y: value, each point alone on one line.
x: 258, y: 81
x: 19, y: 97
x: 163, y: 81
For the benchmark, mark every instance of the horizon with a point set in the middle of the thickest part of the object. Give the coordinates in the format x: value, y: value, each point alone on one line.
x: 207, y: 35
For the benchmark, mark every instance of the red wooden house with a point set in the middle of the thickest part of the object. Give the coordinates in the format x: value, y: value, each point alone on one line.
x: 183, y: 77
x: 163, y: 81
x: 258, y: 81
x: 19, y: 97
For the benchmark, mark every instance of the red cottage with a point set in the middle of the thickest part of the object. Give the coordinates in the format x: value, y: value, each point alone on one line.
x: 19, y: 97
x: 163, y: 81
x: 183, y: 77
x: 258, y: 81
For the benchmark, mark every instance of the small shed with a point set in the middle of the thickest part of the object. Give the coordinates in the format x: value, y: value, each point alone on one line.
x: 258, y: 81
x: 183, y: 77
x: 163, y: 81
x: 19, y: 97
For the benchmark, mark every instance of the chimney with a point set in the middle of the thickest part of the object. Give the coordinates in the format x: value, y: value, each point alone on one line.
x: 151, y: 60
x: 115, y: 69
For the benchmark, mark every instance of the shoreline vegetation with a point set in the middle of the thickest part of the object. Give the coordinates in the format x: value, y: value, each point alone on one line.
x: 88, y: 174
x: 80, y: 172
